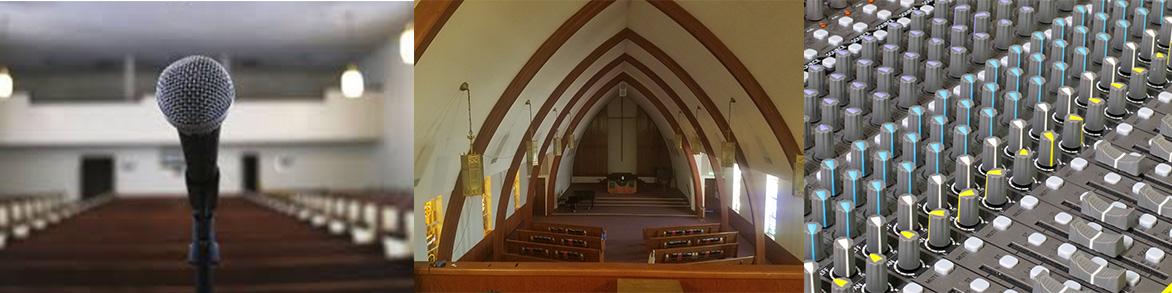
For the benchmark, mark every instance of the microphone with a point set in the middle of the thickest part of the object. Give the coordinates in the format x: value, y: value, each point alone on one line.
x: 194, y: 95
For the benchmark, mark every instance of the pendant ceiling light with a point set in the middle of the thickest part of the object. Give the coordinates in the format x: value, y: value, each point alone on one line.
x: 5, y: 83
x: 697, y: 145
x: 531, y: 144
x: 679, y: 139
x: 406, y: 45
x: 728, y: 152
x: 352, y: 83
x: 557, y: 139
x: 471, y: 164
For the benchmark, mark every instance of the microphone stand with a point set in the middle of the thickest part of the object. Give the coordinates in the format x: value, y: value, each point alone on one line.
x: 203, y: 190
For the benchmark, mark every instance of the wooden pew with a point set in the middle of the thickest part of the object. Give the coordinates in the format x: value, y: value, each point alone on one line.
x: 693, y: 254
x: 562, y: 239
x: 680, y: 230
x: 569, y: 229
x: 558, y: 252
x: 744, y: 260
x: 691, y: 240
x: 525, y: 258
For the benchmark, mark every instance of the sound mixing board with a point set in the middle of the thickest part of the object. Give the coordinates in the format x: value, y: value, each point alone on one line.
x: 988, y: 146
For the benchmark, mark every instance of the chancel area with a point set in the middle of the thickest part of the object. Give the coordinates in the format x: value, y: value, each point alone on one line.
x: 624, y: 145
x: 313, y: 185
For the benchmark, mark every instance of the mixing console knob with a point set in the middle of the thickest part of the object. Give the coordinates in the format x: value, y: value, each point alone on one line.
x: 814, y: 10
x: 938, y: 29
x: 1099, y: 48
x: 915, y: 41
x: 1065, y: 104
x: 906, y: 179
x: 854, y: 124
x: 846, y: 63
x: 830, y: 113
x: 857, y: 157
x: 876, y: 239
x: 967, y: 213
x: 810, y: 104
x: 886, y: 142
x: 1165, y: 34
x: 995, y: 188
x: 818, y: 79
x: 936, y: 193
x: 895, y: 33
x: 852, y: 183
x: 1147, y: 45
x: 909, y: 251
x: 884, y: 80
x: 837, y: 86
x: 1080, y: 61
x: 828, y: 173
x: 968, y: 85
x: 1014, y: 106
x: 1159, y: 74
x: 1025, y: 21
x: 1086, y: 88
x: 1017, y: 136
x: 806, y: 134
x: 890, y: 55
x: 911, y: 64
x: 905, y: 213
x: 1002, y: 37
x: 964, y: 172
x: 958, y: 36
x: 1139, y: 82
x: 939, y: 235
x: 880, y: 108
x: 838, y: 4
x: 933, y: 71
x: 841, y: 285
x: 1046, y: 11
x: 981, y: 21
x: 936, y: 49
x: 844, y: 262
x: 1127, y: 60
x: 870, y: 47
x: 876, y: 273
x: 1095, y: 116
x: 1046, y: 150
x: 815, y: 250
x: 1023, y: 169
x: 989, y: 96
x: 1058, y: 76
x: 820, y: 207
x: 907, y: 93
x: 1041, y: 120
x: 982, y: 47
x: 990, y: 147
x: 881, y: 163
x: 962, y: 15
x: 876, y: 198
x: 989, y: 123
x: 1108, y: 72
x: 844, y: 213
x: 1072, y: 139
x: 1035, y: 93
x: 813, y: 283
x: 823, y: 142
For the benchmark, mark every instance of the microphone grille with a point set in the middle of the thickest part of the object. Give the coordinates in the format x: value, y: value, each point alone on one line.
x: 194, y: 94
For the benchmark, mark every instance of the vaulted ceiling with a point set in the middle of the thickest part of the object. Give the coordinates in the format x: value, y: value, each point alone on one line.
x: 684, y: 59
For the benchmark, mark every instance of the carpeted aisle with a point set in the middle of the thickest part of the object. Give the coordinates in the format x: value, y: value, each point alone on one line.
x: 140, y: 245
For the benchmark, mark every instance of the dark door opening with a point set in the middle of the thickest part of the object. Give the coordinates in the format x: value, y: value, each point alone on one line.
x: 249, y: 164
x: 97, y: 176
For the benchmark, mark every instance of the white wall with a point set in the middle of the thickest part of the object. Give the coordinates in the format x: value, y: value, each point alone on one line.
x: 139, y: 172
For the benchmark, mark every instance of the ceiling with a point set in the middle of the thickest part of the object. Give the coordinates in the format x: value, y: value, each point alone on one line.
x: 70, y: 34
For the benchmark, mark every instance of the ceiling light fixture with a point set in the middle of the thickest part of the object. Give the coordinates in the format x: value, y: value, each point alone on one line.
x: 406, y: 45
x: 352, y: 83
x: 5, y: 83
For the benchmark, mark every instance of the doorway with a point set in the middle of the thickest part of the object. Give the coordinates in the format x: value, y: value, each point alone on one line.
x: 97, y: 176
x: 250, y: 177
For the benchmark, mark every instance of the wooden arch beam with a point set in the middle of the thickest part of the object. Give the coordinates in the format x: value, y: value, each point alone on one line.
x: 738, y: 70
x: 430, y: 17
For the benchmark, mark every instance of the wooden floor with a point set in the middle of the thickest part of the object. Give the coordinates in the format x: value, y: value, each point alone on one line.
x: 140, y: 245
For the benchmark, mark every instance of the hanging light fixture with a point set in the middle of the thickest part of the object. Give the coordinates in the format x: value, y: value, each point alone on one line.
x: 352, y: 83
x: 471, y: 163
x: 728, y: 153
x: 570, y: 141
x: 557, y: 140
x: 406, y: 45
x: 531, y: 144
x: 799, y: 183
x: 5, y: 83
x: 679, y: 141
x: 697, y: 145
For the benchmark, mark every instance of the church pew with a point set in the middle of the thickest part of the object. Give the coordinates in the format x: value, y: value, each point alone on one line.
x: 551, y: 251
x: 569, y: 229
x: 561, y: 239
x: 693, y: 254
x: 680, y: 230
x: 368, y: 216
x: 691, y: 240
x: 744, y: 260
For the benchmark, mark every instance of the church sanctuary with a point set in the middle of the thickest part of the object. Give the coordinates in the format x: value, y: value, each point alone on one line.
x: 313, y: 181
x: 614, y: 145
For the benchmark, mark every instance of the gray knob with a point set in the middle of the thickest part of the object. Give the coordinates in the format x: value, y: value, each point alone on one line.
x: 1147, y: 45
x: 870, y: 48
x: 967, y: 213
x: 1120, y: 11
x: 1066, y: 5
x: 989, y: 123
x: 814, y: 246
x: 1139, y: 82
x: 854, y: 124
x: 1025, y: 21
x: 828, y: 173
x: 895, y: 33
x: 810, y: 102
x: 864, y: 78
x: 884, y: 80
x: 1065, y: 103
x: 807, y: 135
x: 823, y: 142
x: 933, y: 71
x: 838, y: 4
x: 1002, y: 38
x: 905, y: 212
x: 981, y: 22
x: 1080, y: 61
x: 916, y: 40
x: 1017, y: 136
x: 1099, y: 22
x: 968, y: 86
x: 1095, y: 116
x: 962, y: 15
x: 1072, y: 139
x: 993, y: 71
x: 1004, y: 9
x: 1058, y: 76
x: 944, y: 8
x: 876, y: 240
x: 958, y: 36
x: 876, y: 273
x: 938, y: 29
x: 880, y: 108
x: 1013, y: 107
x: 1058, y: 51
x: 1079, y: 15
x: 846, y: 63
x: 982, y: 47
x: 814, y: 10
x: 995, y: 188
x: 841, y: 285
x: 820, y: 207
x: 1086, y: 88
x: 907, y: 93
x: 887, y: 138
x: 844, y: 263
x: 1034, y: 64
x: 935, y: 193
x: 1041, y: 120
x: 1060, y: 30
x: 960, y: 140
x: 818, y: 79
x: 964, y: 172
x: 1127, y: 59
x: 857, y: 157
x: 906, y: 180
x: 852, y: 182
x: 813, y: 282
x: 1013, y: 80
x: 919, y: 20
x: 881, y: 164
x: 875, y: 199
x: 990, y: 147
x: 1037, y: 44
x: 1100, y: 47
x: 1165, y: 34
x: 1046, y: 151
x: 936, y: 49
x: 911, y: 64
x: 1108, y: 72
x: 938, y: 129
x: 830, y: 113
x: 989, y: 96
x: 939, y: 235
x: 915, y: 120
x: 1023, y: 169
x: 890, y: 54
x: 911, y: 148
x: 909, y: 251
x: 1159, y: 74
x: 1046, y: 11
x: 847, y: 220
x: 1036, y: 92
x: 964, y: 111
x: 934, y: 158
x: 837, y: 85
